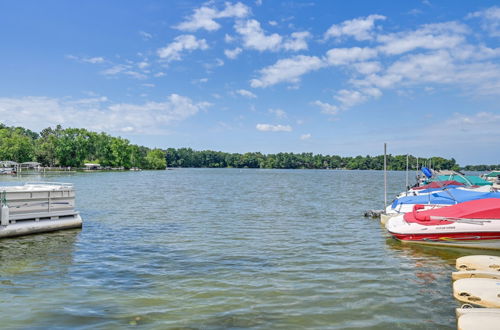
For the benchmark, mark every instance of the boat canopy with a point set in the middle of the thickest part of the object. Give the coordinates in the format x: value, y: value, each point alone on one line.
x: 438, y: 189
x: 439, y: 184
x: 488, y: 208
x: 449, y: 197
x: 493, y: 174
x: 465, y: 179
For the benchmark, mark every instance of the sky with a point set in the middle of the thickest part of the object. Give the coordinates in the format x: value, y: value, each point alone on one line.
x: 330, y: 77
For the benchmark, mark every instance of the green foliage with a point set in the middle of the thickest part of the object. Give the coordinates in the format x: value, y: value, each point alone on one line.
x: 16, y: 145
x: 186, y: 157
x: 156, y: 159
x: 481, y: 167
x: 74, y: 147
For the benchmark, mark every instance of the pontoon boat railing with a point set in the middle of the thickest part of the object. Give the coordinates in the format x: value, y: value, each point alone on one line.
x: 62, y: 184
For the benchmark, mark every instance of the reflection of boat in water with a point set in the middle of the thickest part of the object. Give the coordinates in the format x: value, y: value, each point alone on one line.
x: 37, y: 207
x: 472, y: 224
x: 27, y: 254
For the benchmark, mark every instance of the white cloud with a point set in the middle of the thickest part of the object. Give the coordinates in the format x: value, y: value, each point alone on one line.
x: 213, y: 64
x: 143, y: 65
x: 186, y: 42
x: 200, y: 81
x: 367, y: 68
x: 490, y: 20
x: 279, y: 113
x: 91, y: 60
x: 431, y: 54
x: 462, y: 133
x: 327, y: 108
x: 245, y: 93
x: 431, y: 36
x: 232, y: 53
x: 350, y: 98
x: 145, y: 35
x: 297, y: 41
x: 342, y: 56
x: 94, y: 60
x: 432, y: 67
x: 204, y: 17
x: 304, y: 137
x: 287, y: 70
x: 124, y: 69
x: 273, y: 128
x: 483, y: 122
x: 358, y: 28
x: 98, y: 113
x: 115, y: 69
x: 255, y: 38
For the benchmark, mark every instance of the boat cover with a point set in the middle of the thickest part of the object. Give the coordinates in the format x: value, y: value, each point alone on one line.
x: 439, y: 184
x: 423, y: 191
x: 469, y: 179
x: 448, y: 197
x: 488, y: 208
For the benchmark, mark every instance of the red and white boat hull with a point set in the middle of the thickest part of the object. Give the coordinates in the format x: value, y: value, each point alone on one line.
x: 473, y: 233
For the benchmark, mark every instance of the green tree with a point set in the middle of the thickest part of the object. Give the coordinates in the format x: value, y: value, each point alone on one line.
x: 16, y: 146
x: 156, y: 159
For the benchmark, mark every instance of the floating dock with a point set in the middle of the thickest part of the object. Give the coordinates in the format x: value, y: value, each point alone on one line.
x: 37, y: 207
x: 477, y: 283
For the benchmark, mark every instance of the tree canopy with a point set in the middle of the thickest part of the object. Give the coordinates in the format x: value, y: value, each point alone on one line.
x: 186, y: 157
x: 76, y: 146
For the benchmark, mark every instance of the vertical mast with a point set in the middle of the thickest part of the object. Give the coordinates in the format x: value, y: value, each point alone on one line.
x: 407, y: 160
x: 385, y: 175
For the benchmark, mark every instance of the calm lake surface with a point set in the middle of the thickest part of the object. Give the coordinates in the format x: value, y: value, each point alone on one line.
x: 226, y: 248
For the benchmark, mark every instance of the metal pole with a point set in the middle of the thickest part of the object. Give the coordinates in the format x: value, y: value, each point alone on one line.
x: 385, y: 175
x: 407, y: 160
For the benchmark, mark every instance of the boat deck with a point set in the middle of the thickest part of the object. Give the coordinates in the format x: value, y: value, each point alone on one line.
x: 37, y: 207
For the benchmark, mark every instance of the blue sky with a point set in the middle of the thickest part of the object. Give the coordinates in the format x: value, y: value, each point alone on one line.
x: 330, y: 77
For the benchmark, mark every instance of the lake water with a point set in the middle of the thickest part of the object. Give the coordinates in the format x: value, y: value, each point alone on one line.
x: 226, y: 248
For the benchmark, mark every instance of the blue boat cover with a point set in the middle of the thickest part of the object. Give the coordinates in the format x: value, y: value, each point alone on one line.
x: 437, y: 189
x: 445, y: 197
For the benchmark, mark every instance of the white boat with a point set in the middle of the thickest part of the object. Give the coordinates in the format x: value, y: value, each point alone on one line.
x: 418, y: 192
x: 36, y: 208
x: 439, y: 199
x: 7, y: 170
x: 474, y: 224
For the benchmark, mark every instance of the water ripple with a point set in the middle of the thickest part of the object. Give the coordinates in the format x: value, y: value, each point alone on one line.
x: 222, y: 248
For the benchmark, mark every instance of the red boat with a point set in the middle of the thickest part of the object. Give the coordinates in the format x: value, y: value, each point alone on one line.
x: 474, y: 224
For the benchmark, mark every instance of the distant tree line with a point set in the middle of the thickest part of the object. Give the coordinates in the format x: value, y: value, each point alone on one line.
x: 74, y: 147
x: 186, y: 157
x: 481, y: 167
